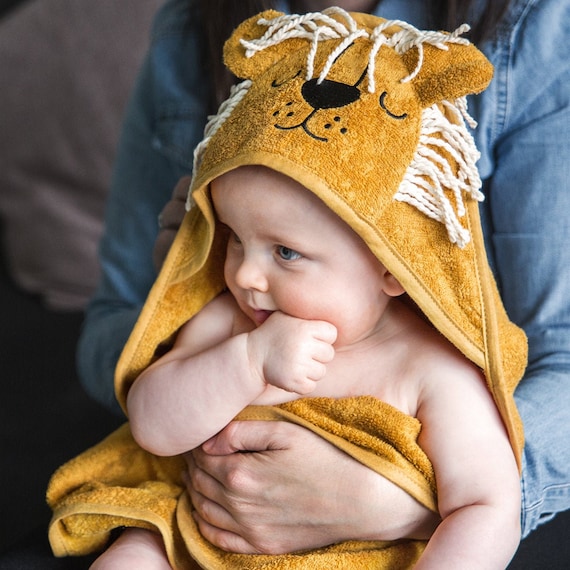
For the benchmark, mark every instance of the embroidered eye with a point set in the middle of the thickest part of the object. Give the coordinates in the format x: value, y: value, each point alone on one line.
x: 283, y: 80
x: 383, y: 105
x: 287, y: 254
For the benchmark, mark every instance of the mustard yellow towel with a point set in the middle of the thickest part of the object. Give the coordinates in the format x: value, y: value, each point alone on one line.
x: 117, y: 484
x: 370, y: 116
x: 384, y: 145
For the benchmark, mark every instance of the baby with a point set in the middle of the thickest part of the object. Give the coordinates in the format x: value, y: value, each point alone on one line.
x: 310, y: 311
x: 332, y: 256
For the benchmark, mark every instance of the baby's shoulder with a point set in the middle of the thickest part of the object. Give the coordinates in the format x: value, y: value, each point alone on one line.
x: 446, y: 370
x: 223, y: 307
x: 433, y: 363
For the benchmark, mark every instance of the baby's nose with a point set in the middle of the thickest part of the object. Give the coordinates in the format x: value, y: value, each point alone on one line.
x: 250, y: 275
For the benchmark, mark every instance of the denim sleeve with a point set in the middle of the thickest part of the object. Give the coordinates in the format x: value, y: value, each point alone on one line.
x: 163, y: 123
x: 527, y: 215
x: 140, y: 187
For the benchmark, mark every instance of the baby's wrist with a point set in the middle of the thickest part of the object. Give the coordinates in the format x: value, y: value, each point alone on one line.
x: 255, y: 359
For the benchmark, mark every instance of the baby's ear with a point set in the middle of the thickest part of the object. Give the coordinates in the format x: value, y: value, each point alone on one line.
x: 392, y: 286
x: 245, y: 67
x: 448, y: 74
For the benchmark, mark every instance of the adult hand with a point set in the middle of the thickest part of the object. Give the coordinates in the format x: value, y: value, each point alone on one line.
x: 169, y: 221
x: 294, y: 491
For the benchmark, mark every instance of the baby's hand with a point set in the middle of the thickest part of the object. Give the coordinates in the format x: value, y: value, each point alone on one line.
x: 292, y: 353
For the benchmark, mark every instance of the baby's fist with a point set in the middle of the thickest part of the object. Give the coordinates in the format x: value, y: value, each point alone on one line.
x: 297, y: 352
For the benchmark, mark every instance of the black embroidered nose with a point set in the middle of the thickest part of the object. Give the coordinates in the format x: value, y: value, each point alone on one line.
x: 329, y: 94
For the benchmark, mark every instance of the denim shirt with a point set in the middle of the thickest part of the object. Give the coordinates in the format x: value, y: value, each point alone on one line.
x: 524, y: 139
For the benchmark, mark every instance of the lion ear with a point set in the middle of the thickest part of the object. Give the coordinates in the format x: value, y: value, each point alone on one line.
x: 235, y: 57
x: 448, y: 74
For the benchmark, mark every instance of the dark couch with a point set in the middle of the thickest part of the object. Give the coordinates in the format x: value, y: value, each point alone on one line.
x: 46, y: 417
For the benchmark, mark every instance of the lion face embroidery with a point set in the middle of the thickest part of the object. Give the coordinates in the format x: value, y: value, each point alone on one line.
x: 358, y: 102
x: 320, y: 108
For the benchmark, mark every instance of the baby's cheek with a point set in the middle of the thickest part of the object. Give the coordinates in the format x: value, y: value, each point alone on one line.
x: 315, y: 305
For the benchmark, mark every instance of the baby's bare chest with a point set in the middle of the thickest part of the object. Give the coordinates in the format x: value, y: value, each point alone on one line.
x: 391, y: 380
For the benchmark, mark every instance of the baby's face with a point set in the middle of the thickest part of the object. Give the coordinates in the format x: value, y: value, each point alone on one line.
x: 288, y: 252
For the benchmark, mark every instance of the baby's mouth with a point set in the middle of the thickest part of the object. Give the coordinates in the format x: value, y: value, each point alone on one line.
x: 261, y: 315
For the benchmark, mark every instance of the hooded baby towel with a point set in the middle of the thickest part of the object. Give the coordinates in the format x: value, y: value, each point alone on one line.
x: 369, y: 115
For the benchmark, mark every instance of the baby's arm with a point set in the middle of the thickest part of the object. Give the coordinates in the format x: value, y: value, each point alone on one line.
x: 477, y: 478
x: 212, y: 373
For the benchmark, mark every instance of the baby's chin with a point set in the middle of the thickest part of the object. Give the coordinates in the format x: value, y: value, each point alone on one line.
x: 355, y: 340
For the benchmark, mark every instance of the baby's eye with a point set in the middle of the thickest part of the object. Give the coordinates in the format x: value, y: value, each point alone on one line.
x: 234, y: 237
x: 287, y: 253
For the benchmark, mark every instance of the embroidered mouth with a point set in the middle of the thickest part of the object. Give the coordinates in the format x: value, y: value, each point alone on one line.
x: 303, y: 125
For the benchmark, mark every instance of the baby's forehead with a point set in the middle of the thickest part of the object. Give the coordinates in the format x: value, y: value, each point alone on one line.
x: 244, y: 171
x: 269, y: 183
x: 275, y: 201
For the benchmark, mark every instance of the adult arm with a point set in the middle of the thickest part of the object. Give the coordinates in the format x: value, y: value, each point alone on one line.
x: 527, y: 215
x: 163, y: 123
x: 139, y: 189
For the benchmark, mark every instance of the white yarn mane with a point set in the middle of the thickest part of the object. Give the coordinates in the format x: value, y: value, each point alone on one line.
x: 429, y: 174
x: 321, y: 26
x: 237, y: 93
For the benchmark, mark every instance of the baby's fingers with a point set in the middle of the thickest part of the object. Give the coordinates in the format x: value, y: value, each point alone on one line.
x: 323, y: 352
x: 325, y: 331
x: 315, y: 372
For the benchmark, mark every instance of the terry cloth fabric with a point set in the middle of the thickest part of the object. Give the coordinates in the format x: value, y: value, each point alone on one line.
x: 370, y: 116
x: 117, y: 484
